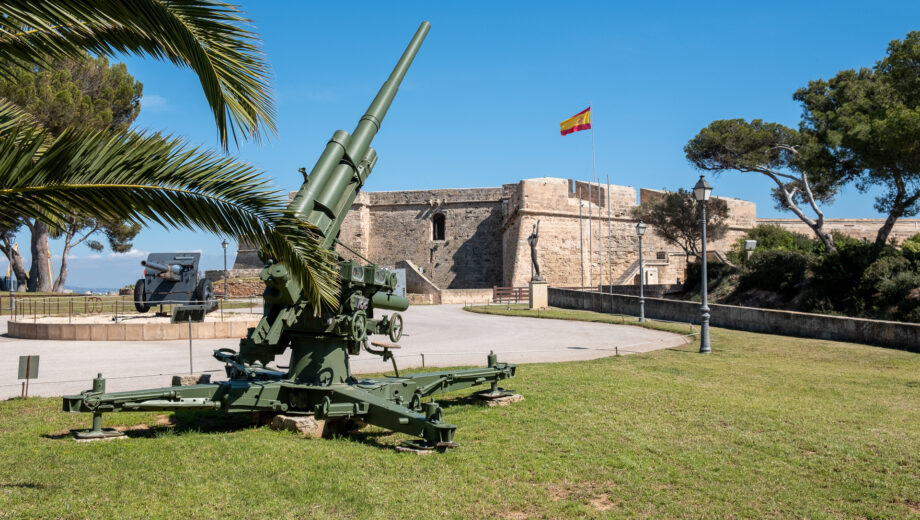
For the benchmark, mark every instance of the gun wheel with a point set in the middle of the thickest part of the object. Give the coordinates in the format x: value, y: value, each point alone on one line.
x: 140, y: 296
x: 395, y: 330
x: 359, y: 326
x: 204, y: 295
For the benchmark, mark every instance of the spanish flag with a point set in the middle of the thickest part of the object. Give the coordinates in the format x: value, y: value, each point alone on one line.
x: 580, y: 121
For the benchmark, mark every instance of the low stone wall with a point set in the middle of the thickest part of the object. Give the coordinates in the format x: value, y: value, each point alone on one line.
x: 651, y: 291
x: 242, y: 283
x: 218, y: 274
x: 423, y: 299
x: 905, y: 336
x: 127, y: 331
x: 466, y: 295
x: 451, y: 296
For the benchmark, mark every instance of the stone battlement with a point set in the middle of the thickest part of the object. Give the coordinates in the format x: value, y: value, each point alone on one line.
x: 470, y: 238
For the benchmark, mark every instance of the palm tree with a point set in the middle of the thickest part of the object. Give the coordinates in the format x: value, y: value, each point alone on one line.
x: 147, y: 177
x: 207, y: 36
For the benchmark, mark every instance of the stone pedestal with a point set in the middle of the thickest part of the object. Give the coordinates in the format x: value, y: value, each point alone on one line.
x: 305, y: 425
x: 539, y: 295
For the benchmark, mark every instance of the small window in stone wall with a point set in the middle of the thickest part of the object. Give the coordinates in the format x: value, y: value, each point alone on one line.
x: 437, y: 227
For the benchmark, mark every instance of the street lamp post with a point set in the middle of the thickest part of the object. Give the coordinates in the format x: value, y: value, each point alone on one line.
x: 225, y: 244
x: 701, y: 193
x: 640, y: 230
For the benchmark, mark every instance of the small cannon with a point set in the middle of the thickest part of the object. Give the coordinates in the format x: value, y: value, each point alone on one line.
x: 172, y: 278
x: 317, y: 380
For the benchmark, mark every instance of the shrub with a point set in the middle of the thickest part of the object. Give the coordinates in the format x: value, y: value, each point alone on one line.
x: 836, y: 277
x: 779, y: 271
x: 888, y: 280
x: 770, y: 238
x: 717, y: 274
x: 912, y: 245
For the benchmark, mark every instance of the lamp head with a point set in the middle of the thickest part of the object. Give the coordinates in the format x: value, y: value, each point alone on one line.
x: 640, y: 228
x: 702, y: 190
x: 225, y: 243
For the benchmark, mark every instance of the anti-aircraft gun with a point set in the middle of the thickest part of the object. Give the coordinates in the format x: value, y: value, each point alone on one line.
x: 318, y: 380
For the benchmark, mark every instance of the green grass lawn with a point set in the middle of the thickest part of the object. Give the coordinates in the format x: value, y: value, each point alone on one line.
x: 765, y: 427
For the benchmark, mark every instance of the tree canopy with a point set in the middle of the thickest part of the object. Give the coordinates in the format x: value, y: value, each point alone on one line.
x: 209, y: 37
x: 79, y: 93
x: 76, y: 93
x: 147, y: 177
x: 676, y: 218
x: 801, y: 171
x: 869, y: 120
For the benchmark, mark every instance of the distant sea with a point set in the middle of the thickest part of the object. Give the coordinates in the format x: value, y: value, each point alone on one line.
x: 94, y: 290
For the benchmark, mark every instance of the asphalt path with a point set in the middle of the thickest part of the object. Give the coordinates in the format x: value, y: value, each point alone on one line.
x: 435, y: 335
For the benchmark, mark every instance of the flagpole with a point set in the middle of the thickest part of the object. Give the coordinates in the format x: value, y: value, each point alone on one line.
x: 609, y: 240
x: 594, y: 175
x: 581, y: 239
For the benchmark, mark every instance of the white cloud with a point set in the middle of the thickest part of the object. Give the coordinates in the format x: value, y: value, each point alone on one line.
x: 155, y: 102
x: 133, y: 253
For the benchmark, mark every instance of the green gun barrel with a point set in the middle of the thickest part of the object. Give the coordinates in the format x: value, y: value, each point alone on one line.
x: 331, y: 187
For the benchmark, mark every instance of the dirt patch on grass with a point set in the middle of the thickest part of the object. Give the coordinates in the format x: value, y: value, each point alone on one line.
x: 913, y: 506
x: 602, y: 502
x: 581, y: 492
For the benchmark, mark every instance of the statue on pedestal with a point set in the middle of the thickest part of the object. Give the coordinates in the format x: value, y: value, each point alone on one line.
x: 532, y: 240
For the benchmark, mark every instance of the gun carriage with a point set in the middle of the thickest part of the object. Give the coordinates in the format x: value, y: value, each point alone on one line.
x: 172, y: 278
x: 318, y: 380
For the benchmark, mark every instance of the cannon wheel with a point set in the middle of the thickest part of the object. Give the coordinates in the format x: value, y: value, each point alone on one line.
x: 204, y: 295
x: 140, y: 297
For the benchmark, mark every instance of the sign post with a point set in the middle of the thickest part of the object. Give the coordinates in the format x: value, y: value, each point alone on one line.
x: 28, y: 369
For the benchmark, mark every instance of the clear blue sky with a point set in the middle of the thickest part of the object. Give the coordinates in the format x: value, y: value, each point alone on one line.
x: 482, y: 103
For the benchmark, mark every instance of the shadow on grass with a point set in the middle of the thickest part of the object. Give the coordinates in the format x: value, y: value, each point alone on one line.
x: 180, y: 423
x: 22, y: 485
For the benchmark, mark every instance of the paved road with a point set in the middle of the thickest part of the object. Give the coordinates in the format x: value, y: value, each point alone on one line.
x: 445, y: 334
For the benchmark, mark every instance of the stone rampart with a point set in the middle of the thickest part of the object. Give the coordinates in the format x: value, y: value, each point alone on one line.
x: 865, y: 228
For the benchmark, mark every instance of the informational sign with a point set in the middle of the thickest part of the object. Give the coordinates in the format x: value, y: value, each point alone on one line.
x: 188, y: 313
x: 28, y: 367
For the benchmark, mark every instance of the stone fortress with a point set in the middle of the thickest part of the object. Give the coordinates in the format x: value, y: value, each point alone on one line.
x: 458, y: 243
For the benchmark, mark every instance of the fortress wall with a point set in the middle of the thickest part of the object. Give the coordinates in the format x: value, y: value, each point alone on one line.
x: 355, y: 231
x: 865, y: 228
x: 555, y: 203
x: 742, y: 217
x: 487, y: 228
x: 398, y: 226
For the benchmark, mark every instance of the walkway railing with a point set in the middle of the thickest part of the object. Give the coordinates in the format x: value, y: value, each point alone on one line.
x: 23, y: 307
x: 510, y: 294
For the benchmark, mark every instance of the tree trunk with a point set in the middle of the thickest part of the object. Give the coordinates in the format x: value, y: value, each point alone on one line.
x: 16, y: 261
x: 62, y: 275
x: 39, y: 272
x: 825, y: 238
x: 898, y: 208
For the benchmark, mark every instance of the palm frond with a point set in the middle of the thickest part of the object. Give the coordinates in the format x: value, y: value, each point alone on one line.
x: 208, y: 36
x: 150, y: 178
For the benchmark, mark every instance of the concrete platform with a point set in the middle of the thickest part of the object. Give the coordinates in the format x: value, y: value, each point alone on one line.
x: 442, y: 335
x: 127, y: 331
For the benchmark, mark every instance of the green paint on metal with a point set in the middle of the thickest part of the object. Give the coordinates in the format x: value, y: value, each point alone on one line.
x: 318, y: 380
